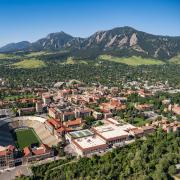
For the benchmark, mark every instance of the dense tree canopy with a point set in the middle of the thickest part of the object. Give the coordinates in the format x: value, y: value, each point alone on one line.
x: 153, y: 158
x: 107, y: 73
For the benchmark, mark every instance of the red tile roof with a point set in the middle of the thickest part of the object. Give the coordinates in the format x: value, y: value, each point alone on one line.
x: 61, y: 129
x: 7, y: 150
x: 52, y: 110
x: 74, y: 122
x: 11, y: 148
x: 39, y: 151
x: 26, y: 151
x: 55, y: 122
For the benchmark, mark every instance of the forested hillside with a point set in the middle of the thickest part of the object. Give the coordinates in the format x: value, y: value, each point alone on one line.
x: 153, y: 158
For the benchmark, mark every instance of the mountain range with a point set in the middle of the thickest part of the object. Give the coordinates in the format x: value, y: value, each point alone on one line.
x: 121, y: 41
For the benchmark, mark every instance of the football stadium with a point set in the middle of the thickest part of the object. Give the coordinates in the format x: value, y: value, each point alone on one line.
x: 24, y: 131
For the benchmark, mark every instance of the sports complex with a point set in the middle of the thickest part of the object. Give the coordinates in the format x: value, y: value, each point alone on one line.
x: 24, y: 131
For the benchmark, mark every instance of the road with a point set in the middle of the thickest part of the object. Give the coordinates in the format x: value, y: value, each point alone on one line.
x: 11, y: 173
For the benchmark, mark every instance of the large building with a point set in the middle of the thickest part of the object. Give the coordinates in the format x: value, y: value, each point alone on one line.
x: 7, y: 158
x: 99, y: 138
x: 89, y: 145
x: 111, y: 134
x: 37, y: 153
x: 78, y: 134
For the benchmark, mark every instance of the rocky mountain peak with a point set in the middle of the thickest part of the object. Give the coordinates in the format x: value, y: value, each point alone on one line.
x: 122, y: 40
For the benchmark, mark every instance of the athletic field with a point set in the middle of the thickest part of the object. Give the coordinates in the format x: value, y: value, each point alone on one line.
x: 25, y: 137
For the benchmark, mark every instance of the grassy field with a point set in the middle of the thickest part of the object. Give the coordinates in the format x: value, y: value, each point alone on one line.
x: 8, y: 56
x: 29, y: 64
x: 70, y: 60
x: 133, y: 61
x: 40, y: 53
x: 25, y: 137
x: 175, y: 60
x: 15, y: 97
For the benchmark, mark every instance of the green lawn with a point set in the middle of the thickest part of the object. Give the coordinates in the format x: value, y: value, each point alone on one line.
x: 29, y: 64
x: 25, y: 137
x: 15, y: 97
x: 134, y: 60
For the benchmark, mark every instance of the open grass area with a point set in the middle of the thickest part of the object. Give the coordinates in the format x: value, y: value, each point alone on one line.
x: 29, y: 64
x: 70, y: 60
x: 40, y: 53
x: 175, y: 60
x: 8, y: 56
x: 25, y: 137
x: 15, y: 97
x: 133, y: 61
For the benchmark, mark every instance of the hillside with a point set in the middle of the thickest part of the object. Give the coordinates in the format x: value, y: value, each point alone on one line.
x: 121, y: 41
x: 175, y: 59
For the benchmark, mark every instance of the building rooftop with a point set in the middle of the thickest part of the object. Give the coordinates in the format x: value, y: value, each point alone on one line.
x: 75, y: 122
x: 55, y: 122
x: 110, y: 131
x: 80, y: 134
x: 113, y: 121
x: 89, y: 142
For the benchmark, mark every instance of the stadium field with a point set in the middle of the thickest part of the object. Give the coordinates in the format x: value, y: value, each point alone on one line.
x: 25, y: 137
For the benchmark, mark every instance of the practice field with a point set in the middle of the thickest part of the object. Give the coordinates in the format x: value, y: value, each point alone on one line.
x: 25, y: 137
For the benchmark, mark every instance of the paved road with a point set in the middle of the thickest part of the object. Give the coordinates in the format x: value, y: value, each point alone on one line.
x: 12, y: 173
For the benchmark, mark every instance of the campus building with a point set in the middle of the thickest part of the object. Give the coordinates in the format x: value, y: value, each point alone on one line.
x: 89, y: 145
x: 7, y: 156
x: 111, y: 134
x: 37, y: 153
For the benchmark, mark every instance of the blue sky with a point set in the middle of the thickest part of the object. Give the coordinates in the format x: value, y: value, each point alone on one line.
x: 34, y: 19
